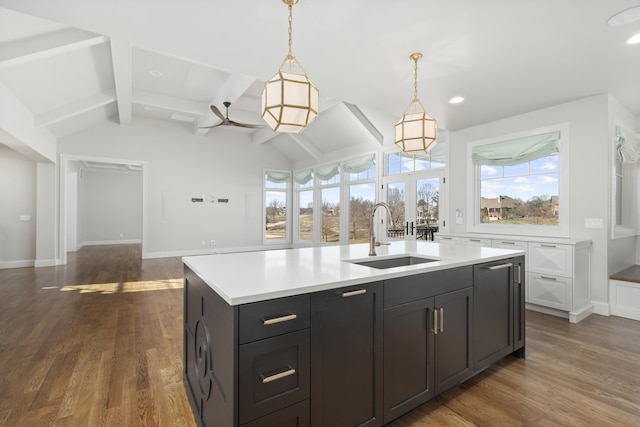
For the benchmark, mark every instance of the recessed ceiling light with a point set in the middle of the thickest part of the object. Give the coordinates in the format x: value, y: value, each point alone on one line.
x: 634, y: 39
x: 626, y: 16
x: 155, y: 73
x: 456, y: 100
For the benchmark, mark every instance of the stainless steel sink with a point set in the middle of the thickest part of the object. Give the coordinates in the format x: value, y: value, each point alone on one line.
x: 394, y: 262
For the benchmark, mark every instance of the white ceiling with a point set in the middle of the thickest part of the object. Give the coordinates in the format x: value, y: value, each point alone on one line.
x: 74, y: 64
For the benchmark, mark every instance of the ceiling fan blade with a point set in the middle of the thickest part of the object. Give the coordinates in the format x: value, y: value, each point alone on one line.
x: 245, y: 125
x: 211, y: 127
x: 217, y: 112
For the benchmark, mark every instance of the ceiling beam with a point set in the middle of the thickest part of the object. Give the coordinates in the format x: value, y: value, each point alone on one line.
x: 121, y: 59
x: 362, y: 120
x: 17, y: 130
x: 46, y: 45
x: 306, y: 146
x: 74, y: 108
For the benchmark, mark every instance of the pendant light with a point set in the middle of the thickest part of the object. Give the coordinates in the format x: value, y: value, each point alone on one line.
x: 416, y: 131
x: 289, y: 99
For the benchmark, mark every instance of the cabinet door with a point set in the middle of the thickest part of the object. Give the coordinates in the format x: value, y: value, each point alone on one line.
x: 453, y: 361
x: 492, y: 312
x: 518, y: 304
x: 408, y: 357
x: 346, y: 361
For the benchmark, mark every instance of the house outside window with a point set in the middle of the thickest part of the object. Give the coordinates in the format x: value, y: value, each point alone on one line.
x: 519, y: 182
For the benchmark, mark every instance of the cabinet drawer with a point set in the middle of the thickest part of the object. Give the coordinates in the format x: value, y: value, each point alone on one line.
x: 509, y: 244
x: 296, y: 415
x: 550, y: 259
x: 472, y: 241
x: 274, y: 317
x: 549, y: 291
x: 273, y: 373
x: 446, y: 239
x: 412, y: 288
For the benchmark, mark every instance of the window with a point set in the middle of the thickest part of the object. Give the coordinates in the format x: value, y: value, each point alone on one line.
x: 277, y: 186
x: 343, y: 193
x: 413, y: 187
x: 361, y: 175
x: 519, y: 183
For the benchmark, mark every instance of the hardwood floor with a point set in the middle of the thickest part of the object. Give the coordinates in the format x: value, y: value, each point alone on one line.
x: 99, y: 342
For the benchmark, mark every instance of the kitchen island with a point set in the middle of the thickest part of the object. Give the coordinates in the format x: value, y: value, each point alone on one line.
x: 319, y: 336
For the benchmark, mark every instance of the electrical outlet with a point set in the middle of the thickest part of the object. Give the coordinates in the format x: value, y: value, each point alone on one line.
x: 212, y: 243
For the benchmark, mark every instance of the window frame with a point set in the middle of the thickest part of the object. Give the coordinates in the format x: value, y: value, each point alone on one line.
x: 474, y: 224
x: 288, y: 209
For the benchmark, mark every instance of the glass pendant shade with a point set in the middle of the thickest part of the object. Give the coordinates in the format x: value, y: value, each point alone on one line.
x: 416, y: 131
x: 289, y: 102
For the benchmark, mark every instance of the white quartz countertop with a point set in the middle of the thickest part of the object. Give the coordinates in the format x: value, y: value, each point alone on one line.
x: 246, y: 277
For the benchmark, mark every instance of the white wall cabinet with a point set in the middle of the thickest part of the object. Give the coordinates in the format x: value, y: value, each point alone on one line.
x: 558, y: 272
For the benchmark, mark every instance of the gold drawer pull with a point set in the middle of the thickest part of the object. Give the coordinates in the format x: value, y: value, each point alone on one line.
x: 498, y: 267
x: 548, y: 278
x: 354, y: 293
x: 548, y: 246
x: 278, y: 376
x: 508, y: 243
x: 279, y: 319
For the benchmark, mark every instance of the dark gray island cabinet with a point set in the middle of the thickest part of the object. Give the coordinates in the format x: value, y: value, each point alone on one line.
x: 360, y: 355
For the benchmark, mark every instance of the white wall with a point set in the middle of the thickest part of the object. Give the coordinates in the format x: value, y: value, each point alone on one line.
x: 17, y: 197
x: 589, y: 171
x: 223, y: 164
x: 109, y: 207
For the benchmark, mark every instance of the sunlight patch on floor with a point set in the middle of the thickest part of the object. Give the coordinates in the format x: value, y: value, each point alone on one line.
x: 140, y: 286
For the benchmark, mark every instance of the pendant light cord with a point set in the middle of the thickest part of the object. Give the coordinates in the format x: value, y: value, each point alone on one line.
x: 415, y: 79
x: 290, y: 56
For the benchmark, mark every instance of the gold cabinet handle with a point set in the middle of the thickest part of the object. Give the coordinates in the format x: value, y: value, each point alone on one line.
x: 353, y: 293
x: 498, y: 267
x: 435, y: 322
x: 548, y: 246
x: 441, y: 319
x: 279, y: 319
x: 508, y: 243
x: 277, y: 376
x: 548, y: 278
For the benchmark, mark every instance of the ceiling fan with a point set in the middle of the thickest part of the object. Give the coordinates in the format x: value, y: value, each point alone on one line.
x: 225, y: 119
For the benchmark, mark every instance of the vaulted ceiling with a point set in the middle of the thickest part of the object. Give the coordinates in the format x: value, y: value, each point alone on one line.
x: 74, y: 64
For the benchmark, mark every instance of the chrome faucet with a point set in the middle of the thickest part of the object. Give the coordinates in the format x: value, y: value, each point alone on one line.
x: 372, y: 236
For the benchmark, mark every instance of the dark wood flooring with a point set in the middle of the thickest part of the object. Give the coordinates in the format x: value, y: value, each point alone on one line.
x: 98, y: 342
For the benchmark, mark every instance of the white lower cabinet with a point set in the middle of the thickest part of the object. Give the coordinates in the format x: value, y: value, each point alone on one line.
x: 558, y: 272
x: 549, y: 291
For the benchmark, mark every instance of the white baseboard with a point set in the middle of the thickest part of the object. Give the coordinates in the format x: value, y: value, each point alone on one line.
x: 601, y: 308
x: 45, y: 263
x: 108, y: 242
x: 547, y: 310
x: 17, y: 264
x: 579, y: 315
